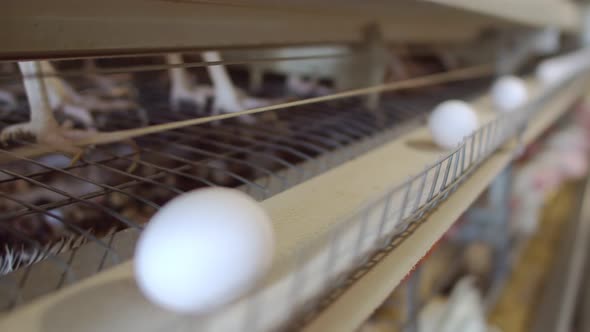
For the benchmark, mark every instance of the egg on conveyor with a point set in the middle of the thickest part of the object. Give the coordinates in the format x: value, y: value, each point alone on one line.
x: 558, y: 69
x: 509, y: 93
x: 551, y: 73
x: 204, y: 249
x: 450, y: 122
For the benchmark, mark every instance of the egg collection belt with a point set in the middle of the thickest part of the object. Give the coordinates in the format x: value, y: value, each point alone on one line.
x: 49, y: 208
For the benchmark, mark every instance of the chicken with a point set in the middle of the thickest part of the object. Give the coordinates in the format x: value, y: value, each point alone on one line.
x: 63, y: 96
x: 304, y: 86
x: 9, y: 90
x: 42, y: 125
x: 462, y: 311
x: 226, y: 97
x: 114, y: 92
x: 304, y: 75
x: 51, y: 93
x: 183, y: 87
x: 112, y: 86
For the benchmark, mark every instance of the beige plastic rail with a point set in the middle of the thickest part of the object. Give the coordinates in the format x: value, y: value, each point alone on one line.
x: 562, y: 14
x: 41, y: 28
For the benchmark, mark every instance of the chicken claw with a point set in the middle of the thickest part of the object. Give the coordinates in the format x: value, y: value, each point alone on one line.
x: 42, y: 125
x: 60, y: 138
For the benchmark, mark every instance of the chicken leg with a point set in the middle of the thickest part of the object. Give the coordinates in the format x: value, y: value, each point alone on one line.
x: 182, y: 88
x: 229, y: 99
x: 42, y: 125
x: 112, y: 86
x: 62, y: 95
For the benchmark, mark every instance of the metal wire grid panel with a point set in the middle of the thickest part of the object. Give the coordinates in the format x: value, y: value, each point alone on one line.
x: 79, y: 219
x: 326, y: 268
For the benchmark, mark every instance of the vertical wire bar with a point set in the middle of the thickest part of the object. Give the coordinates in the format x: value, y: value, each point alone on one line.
x: 514, y: 126
x: 404, y: 203
x: 488, y: 138
x: 298, y: 279
x: 358, y: 247
x: 507, y: 130
x: 457, y: 153
x: 500, y: 131
x: 489, y: 144
x: 23, y: 281
x: 384, y: 215
x: 492, y: 140
x: 495, y: 139
x: 333, y: 244
x: 420, y: 190
x: 479, y: 152
x: 106, y: 253
x: 334, y: 241
x: 63, y: 277
x: 463, y: 151
x: 447, y: 172
x: 472, y: 147
x: 435, y: 180
x: 501, y: 140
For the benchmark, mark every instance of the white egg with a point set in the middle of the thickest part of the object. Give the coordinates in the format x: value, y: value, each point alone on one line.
x: 204, y: 249
x: 509, y: 93
x: 551, y: 72
x: 557, y: 69
x: 450, y: 122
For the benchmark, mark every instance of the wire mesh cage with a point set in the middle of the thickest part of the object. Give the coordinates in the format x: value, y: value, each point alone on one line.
x: 61, y: 222
x: 74, y: 216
